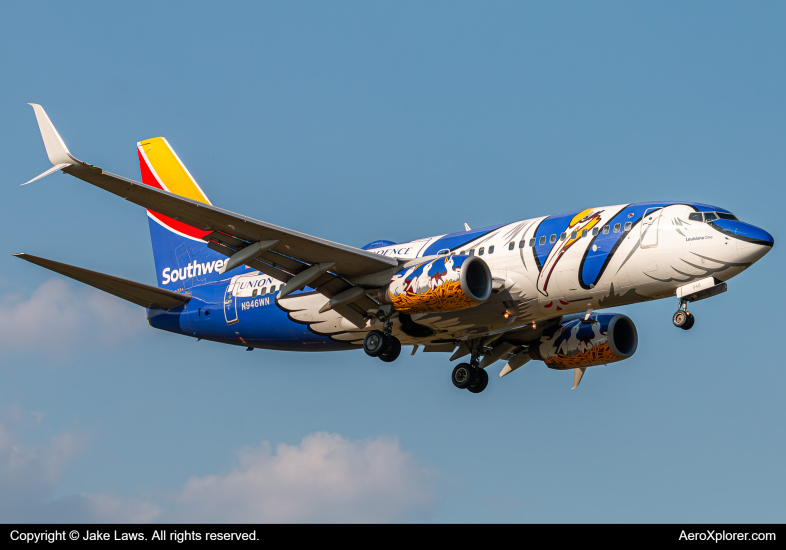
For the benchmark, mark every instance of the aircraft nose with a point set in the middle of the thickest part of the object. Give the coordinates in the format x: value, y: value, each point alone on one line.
x: 752, y: 242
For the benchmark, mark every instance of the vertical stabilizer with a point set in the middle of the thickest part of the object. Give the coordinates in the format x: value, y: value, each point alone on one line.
x: 182, y: 257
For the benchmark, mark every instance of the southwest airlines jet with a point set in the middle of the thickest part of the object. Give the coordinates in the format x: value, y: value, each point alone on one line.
x: 531, y: 290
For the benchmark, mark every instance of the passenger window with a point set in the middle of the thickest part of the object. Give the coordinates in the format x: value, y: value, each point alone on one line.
x: 709, y: 216
x: 573, y: 235
x: 605, y: 229
x: 471, y: 251
x: 532, y: 242
x: 696, y: 217
x: 511, y: 245
x: 263, y: 291
x: 254, y: 294
x: 553, y: 239
x: 522, y: 243
x: 562, y: 237
x: 462, y: 252
x: 542, y: 240
x: 628, y: 225
x: 583, y: 232
x: 491, y: 249
x: 481, y: 250
x: 273, y: 289
x: 617, y: 227
x: 594, y: 231
x: 727, y: 216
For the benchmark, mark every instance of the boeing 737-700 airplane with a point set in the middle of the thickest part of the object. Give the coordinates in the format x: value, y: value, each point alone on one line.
x: 518, y: 292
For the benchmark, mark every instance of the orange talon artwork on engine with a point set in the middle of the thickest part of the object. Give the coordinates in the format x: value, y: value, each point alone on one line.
x: 434, y: 286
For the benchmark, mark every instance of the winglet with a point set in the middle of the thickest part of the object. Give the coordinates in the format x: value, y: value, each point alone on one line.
x: 50, y: 171
x: 56, y: 150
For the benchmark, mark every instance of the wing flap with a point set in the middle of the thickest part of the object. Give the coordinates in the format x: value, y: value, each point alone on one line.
x: 132, y: 291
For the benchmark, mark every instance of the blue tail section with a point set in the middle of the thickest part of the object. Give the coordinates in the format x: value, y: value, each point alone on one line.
x: 182, y: 262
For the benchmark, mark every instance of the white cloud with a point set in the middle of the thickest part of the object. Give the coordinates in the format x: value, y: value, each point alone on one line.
x: 323, y: 479
x: 59, y: 316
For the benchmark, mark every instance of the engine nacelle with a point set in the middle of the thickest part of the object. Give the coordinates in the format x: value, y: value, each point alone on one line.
x: 609, y: 338
x: 449, y: 283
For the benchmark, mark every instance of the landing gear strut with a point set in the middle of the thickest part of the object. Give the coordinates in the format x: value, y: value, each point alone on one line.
x: 683, y: 318
x: 469, y: 376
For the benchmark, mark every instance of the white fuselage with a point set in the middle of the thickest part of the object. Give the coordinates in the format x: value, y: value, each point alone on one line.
x: 652, y: 256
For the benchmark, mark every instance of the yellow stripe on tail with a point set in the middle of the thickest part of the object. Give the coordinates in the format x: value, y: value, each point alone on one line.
x: 170, y: 170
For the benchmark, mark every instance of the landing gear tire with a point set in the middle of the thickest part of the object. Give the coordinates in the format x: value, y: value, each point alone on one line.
x: 684, y: 320
x: 680, y: 319
x: 463, y: 375
x: 375, y: 343
x: 480, y: 383
x: 392, y: 351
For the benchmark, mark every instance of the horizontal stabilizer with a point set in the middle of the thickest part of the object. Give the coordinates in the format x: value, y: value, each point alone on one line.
x: 136, y: 293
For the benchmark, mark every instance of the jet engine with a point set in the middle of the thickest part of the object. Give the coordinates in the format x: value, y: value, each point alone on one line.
x: 448, y: 283
x: 604, y: 338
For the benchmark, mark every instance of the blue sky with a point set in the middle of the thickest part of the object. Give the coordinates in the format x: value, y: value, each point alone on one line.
x: 356, y: 122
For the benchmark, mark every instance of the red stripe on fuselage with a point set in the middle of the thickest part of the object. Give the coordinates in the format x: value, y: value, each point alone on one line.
x: 149, y: 179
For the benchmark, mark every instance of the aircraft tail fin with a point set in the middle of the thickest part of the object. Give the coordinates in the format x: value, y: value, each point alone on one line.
x: 182, y: 257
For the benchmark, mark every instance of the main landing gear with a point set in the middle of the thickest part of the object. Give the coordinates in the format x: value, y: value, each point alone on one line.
x: 469, y: 376
x: 385, y: 346
x: 683, y: 318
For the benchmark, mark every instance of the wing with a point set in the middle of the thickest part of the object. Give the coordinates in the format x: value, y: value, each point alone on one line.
x: 136, y: 293
x: 297, y: 258
x: 349, y: 261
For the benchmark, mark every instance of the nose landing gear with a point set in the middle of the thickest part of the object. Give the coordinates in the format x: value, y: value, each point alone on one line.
x: 683, y: 318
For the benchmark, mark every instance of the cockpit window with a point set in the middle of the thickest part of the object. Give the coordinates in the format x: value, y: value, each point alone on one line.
x: 710, y: 216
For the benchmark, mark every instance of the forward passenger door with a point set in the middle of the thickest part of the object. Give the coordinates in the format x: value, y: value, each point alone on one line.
x: 649, y: 227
